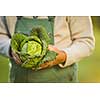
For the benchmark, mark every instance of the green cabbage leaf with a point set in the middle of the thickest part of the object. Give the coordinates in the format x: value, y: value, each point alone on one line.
x: 33, y: 49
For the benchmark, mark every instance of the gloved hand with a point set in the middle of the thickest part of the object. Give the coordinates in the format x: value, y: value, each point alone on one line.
x: 16, y: 57
x: 60, y: 58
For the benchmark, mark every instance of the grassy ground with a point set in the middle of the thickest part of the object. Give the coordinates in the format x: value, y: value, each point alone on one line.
x: 89, y: 68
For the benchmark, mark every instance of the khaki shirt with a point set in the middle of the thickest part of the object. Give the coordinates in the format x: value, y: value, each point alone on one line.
x: 73, y: 34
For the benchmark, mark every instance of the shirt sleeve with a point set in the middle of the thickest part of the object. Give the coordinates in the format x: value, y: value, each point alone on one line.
x: 4, y: 40
x: 83, y: 41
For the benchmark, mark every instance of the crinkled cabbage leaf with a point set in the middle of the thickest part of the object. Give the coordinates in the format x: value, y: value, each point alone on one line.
x: 33, y: 49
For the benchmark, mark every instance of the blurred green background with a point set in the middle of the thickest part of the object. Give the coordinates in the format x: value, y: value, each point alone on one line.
x: 89, y: 68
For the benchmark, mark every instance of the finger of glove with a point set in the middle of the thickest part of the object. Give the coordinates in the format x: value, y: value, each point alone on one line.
x: 16, y: 58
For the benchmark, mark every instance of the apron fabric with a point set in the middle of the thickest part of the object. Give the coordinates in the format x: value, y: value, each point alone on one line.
x: 55, y: 74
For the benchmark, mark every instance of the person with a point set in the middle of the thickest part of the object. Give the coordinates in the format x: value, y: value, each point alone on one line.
x: 73, y: 41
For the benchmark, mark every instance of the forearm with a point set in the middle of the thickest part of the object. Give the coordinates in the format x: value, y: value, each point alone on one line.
x: 83, y: 41
x: 78, y: 50
x: 4, y: 45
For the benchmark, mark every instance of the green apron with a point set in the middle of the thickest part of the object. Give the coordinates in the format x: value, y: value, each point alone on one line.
x: 55, y: 74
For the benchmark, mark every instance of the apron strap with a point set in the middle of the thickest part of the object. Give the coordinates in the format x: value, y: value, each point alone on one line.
x: 19, y: 17
x: 50, y: 18
x: 35, y: 17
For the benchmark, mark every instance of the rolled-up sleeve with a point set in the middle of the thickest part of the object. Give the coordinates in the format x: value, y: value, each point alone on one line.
x: 83, y: 41
x: 4, y: 40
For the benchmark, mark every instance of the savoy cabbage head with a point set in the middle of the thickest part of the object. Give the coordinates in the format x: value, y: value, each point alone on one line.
x: 33, y: 49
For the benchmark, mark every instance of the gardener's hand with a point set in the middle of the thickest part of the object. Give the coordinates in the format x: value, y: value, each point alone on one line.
x: 60, y: 58
x: 16, y: 57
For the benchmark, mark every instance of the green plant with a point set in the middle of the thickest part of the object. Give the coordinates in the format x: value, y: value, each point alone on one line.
x: 32, y: 49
